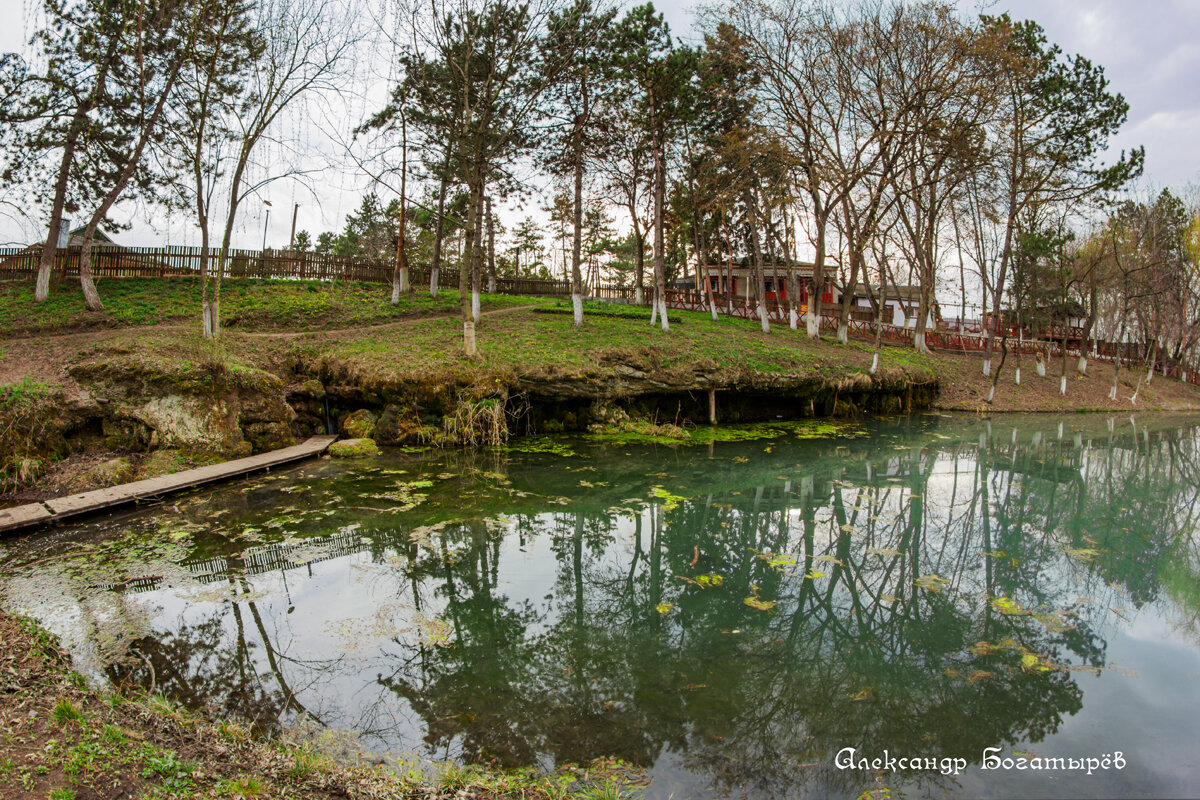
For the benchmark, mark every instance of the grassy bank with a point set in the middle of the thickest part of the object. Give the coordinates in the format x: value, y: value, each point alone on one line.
x: 246, y: 304
x: 352, y: 329
x: 64, y: 740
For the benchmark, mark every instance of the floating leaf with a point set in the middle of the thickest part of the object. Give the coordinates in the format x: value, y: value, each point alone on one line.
x: 1082, y: 553
x: 664, y: 608
x: 882, y: 793
x: 978, y: 675
x: 778, y: 561
x: 670, y: 501
x: 813, y: 574
x: 703, y: 581
x: 1009, y: 608
x: 1054, y: 622
x: 882, y: 551
x: 931, y: 583
x: 1030, y: 662
x: 863, y: 693
x: 761, y: 605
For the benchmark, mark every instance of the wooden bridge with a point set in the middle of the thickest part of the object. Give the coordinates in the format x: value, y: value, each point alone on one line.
x: 59, y: 508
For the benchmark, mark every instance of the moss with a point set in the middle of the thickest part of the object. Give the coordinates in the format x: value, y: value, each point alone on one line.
x: 359, y: 424
x: 107, y: 473
x: 161, y: 462
x: 807, y: 429
x: 354, y: 448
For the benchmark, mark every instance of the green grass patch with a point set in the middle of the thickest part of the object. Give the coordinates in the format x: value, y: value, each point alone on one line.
x: 246, y: 304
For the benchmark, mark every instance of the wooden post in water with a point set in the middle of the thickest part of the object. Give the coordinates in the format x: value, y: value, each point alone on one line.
x: 712, y: 406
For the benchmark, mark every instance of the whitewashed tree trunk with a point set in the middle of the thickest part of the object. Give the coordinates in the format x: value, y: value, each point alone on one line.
x: 1062, y: 386
x: 1081, y: 365
x: 919, y: 343
x: 762, y: 316
x: 987, y: 368
x: 874, y: 362
x: 475, y: 305
x: 843, y: 333
x: 1017, y: 376
x: 577, y: 308
x: 469, y: 338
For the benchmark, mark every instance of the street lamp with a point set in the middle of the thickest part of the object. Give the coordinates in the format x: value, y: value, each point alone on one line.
x: 266, y: 220
x: 292, y: 240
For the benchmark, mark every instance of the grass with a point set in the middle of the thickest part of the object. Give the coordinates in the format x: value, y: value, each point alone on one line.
x: 550, y: 345
x: 246, y: 304
x: 66, y: 713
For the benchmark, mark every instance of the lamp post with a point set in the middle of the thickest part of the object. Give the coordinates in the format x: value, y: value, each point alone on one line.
x: 292, y: 240
x: 266, y: 220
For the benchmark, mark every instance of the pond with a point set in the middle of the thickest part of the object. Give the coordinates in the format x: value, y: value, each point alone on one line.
x: 938, y: 605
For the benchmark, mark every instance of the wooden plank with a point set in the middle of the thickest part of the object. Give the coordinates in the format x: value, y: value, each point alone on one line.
x: 23, y: 516
x: 165, y: 484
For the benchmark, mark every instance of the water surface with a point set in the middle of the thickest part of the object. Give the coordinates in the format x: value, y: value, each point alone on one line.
x: 728, y: 616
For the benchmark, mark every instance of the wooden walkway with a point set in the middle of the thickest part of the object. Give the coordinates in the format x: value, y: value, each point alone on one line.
x: 73, y: 505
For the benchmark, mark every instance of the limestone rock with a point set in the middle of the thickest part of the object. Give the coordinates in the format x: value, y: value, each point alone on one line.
x: 359, y: 424
x: 397, y: 426
x: 266, y: 436
x: 354, y: 448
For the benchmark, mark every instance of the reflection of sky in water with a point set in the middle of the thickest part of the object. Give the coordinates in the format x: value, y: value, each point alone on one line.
x: 570, y: 628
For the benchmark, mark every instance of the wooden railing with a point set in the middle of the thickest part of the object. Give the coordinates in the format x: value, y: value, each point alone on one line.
x: 114, y: 261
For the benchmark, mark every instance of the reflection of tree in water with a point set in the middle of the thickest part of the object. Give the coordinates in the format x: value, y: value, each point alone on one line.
x: 901, y: 598
x: 886, y: 631
x: 201, y: 665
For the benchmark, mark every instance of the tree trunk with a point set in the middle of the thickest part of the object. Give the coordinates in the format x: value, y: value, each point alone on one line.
x: 477, y: 262
x: 79, y: 123
x: 400, y: 282
x: 436, y: 264
x: 1112, y: 394
x: 466, y: 259
x: 134, y: 158
x: 921, y: 325
x: 577, y: 238
x: 818, y: 284
x: 660, y: 270
x: 491, y: 233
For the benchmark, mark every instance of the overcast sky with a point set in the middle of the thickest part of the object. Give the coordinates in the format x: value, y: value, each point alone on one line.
x: 1150, y: 52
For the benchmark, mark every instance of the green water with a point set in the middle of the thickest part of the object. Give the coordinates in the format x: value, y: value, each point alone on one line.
x: 728, y: 617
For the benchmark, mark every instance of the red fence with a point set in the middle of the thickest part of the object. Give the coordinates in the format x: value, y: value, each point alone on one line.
x: 1130, y: 354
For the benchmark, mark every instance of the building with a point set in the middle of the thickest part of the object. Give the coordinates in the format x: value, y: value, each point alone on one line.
x: 737, y: 279
x: 901, y: 304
